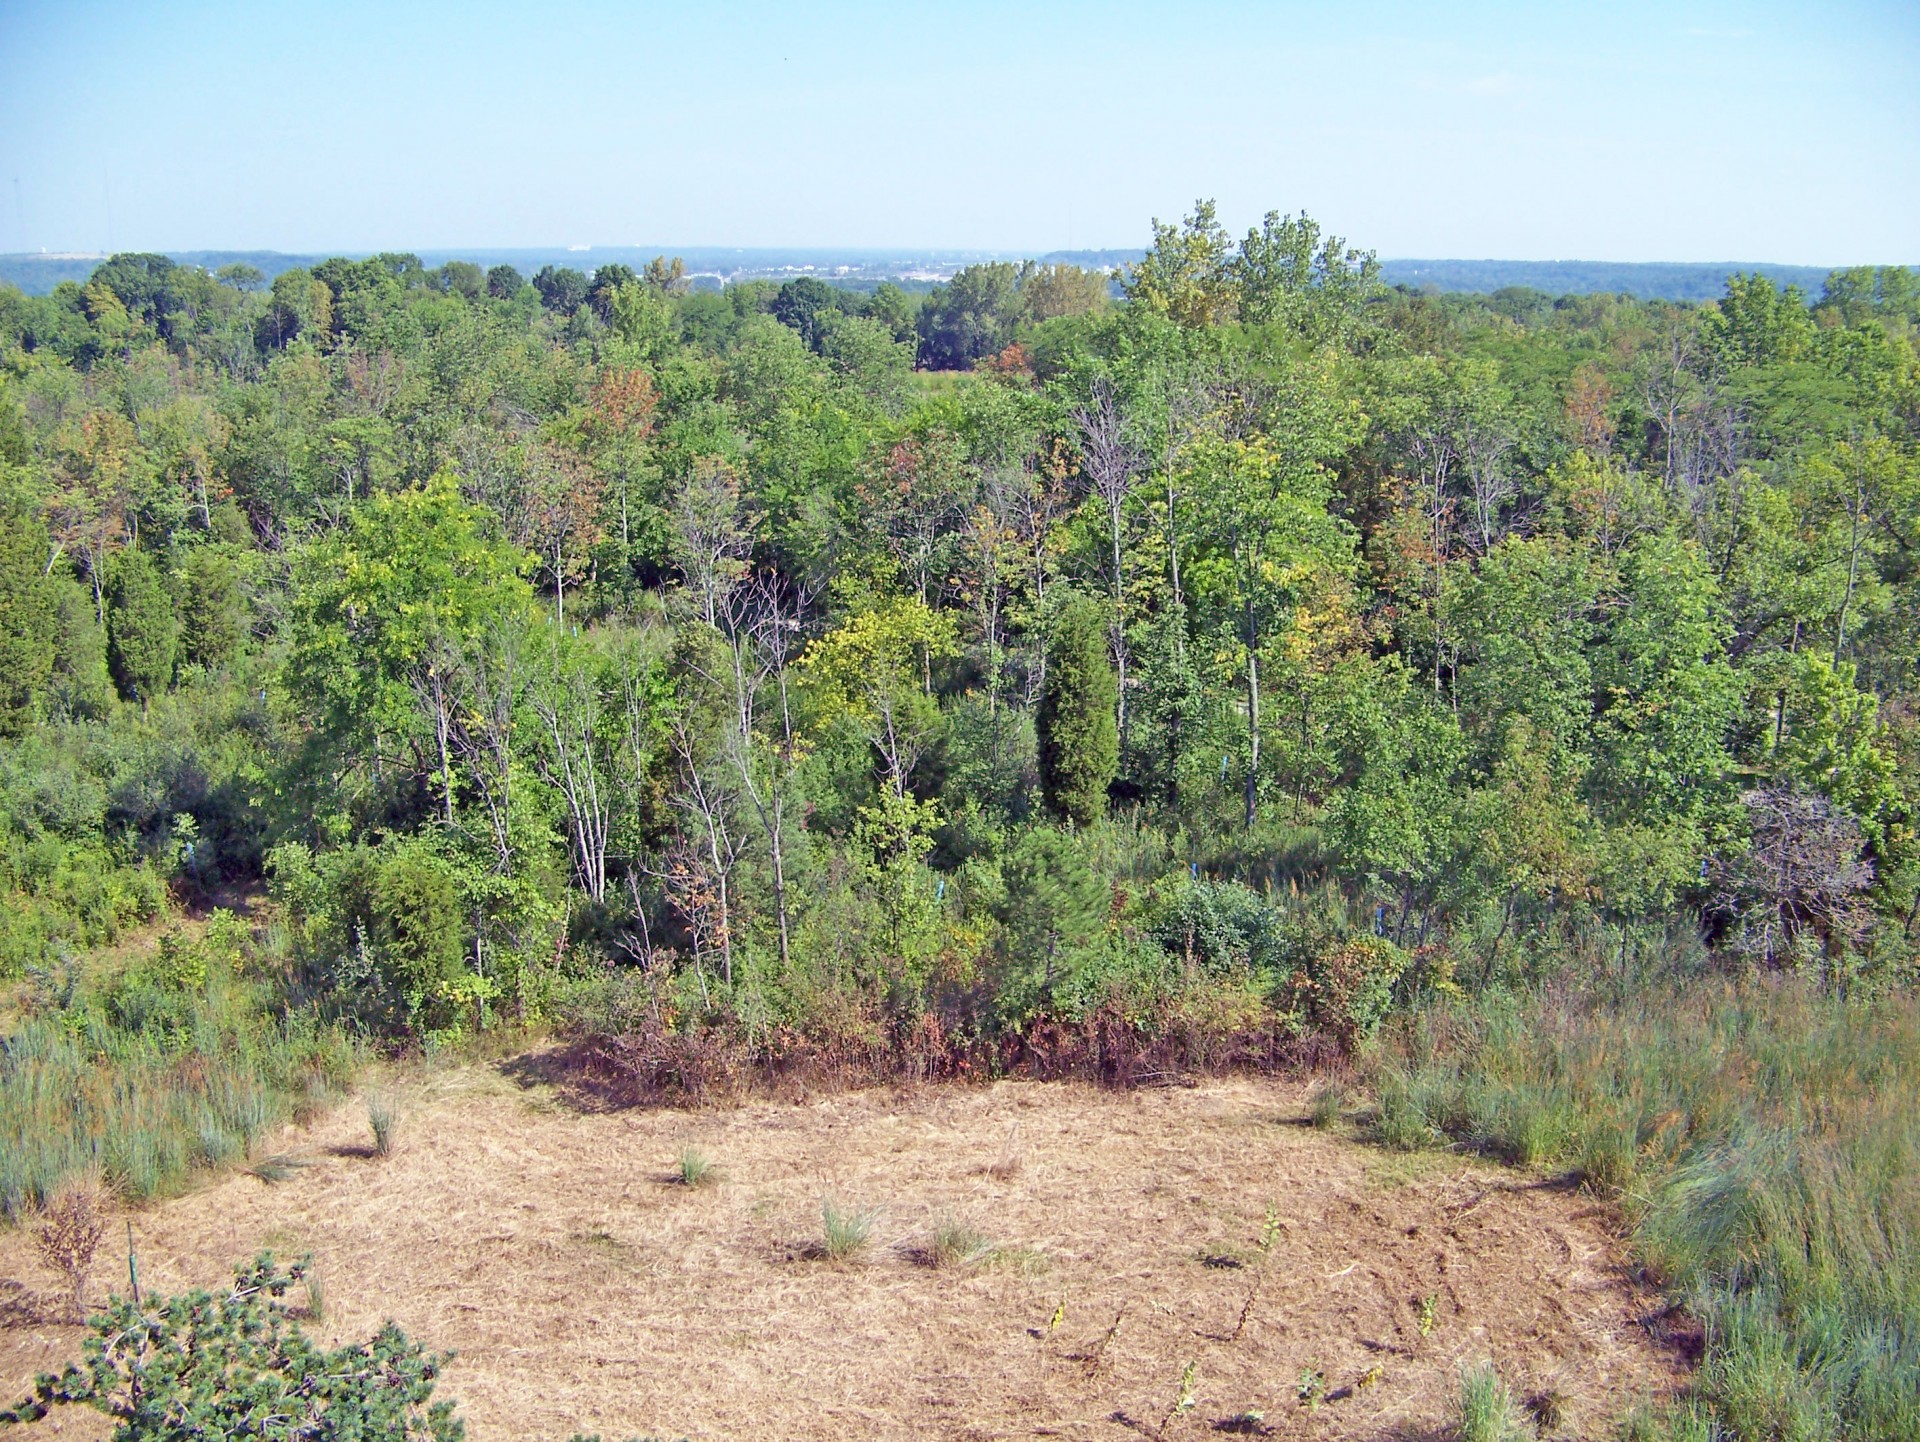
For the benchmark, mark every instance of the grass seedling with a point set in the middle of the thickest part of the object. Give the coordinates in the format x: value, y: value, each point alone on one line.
x: 277, y: 1168
x: 693, y: 1168
x: 845, y: 1233
x: 1485, y: 1410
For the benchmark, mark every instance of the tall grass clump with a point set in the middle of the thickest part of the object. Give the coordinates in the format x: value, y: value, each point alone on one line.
x: 844, y: 1232
x: 1485, y: 1410
x: 145, y: 1085
x: 693, y: 1168
x: 383, y: 1121
x: 1763, y: 1141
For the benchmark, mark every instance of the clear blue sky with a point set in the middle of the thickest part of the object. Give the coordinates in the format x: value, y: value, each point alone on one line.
x: 1626, y: 131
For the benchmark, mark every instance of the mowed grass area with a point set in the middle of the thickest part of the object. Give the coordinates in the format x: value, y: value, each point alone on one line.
x: 1763, y: 1139
x: 1018, y: 1259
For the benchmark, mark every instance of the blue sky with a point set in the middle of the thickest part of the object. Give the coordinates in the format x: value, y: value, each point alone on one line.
x: 1627, y: 131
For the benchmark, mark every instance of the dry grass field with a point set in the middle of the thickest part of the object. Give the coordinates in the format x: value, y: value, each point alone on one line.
x: 1043, y: 1261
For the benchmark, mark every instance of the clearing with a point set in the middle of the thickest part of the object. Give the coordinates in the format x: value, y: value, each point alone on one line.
x: 585, y: 1288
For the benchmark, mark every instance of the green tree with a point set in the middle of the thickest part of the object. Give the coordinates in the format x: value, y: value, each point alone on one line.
x: 410, y: 569
x: 504, y: 282
x: 213, y: 617
x: 972, y: 316
x: 1187, y: 275
x: 29, y: 633
x: 1052, y: 908
x: 1079, y: 741
x: 143, y: 630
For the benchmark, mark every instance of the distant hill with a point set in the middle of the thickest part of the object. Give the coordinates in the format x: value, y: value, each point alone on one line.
x: 918, y: 269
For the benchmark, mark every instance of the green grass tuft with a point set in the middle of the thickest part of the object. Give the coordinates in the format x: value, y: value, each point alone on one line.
x: 845, y: 1232
x: 1485, y: 1410
x: 693, y: 1168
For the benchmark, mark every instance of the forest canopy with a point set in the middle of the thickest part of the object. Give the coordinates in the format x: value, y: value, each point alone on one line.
x: 825, y: 662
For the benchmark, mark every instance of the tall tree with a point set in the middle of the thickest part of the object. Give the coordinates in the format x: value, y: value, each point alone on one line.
x: 1079, y: 742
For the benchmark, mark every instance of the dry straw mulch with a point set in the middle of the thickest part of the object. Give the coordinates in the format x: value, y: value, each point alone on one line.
x: 585, y: 1289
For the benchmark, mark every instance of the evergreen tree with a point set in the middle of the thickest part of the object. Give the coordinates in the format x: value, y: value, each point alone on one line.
x: 143, y: 632
x: 1079, y: 742
x: 27, y: 621
x: 212, y: 611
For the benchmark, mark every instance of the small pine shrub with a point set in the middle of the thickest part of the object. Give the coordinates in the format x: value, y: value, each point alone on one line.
x: 166, y: 1369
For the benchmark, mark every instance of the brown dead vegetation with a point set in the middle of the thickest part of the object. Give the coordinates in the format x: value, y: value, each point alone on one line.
x: 1135, y: 1249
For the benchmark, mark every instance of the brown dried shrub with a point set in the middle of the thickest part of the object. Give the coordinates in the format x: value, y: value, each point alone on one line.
x: 68, y: 1235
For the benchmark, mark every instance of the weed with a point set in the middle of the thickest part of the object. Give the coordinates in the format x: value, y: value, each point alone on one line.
x: 1007, y: 1166
x: 1184, y: 1398
x: 1429, y: 1313
x: 693, y: 1168
x: 1311, y: 1389
x: 1099, y: 1353
x: 845, y: 1232
x: 1269, y: 1232
x: 1759, y: 1140
x: 383, y: 1119
x: 1485, y: 1411
x: 82, y: 1095
x: 67, y: 1237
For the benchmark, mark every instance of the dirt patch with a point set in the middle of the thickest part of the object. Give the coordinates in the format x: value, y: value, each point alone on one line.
x: 584, y: 1289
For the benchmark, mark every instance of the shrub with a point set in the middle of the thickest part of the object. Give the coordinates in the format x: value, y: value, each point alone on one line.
x: 67, y: 1237
x: 235, y: 1365
x: 1220, y: 925
x: 1347, y: 990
